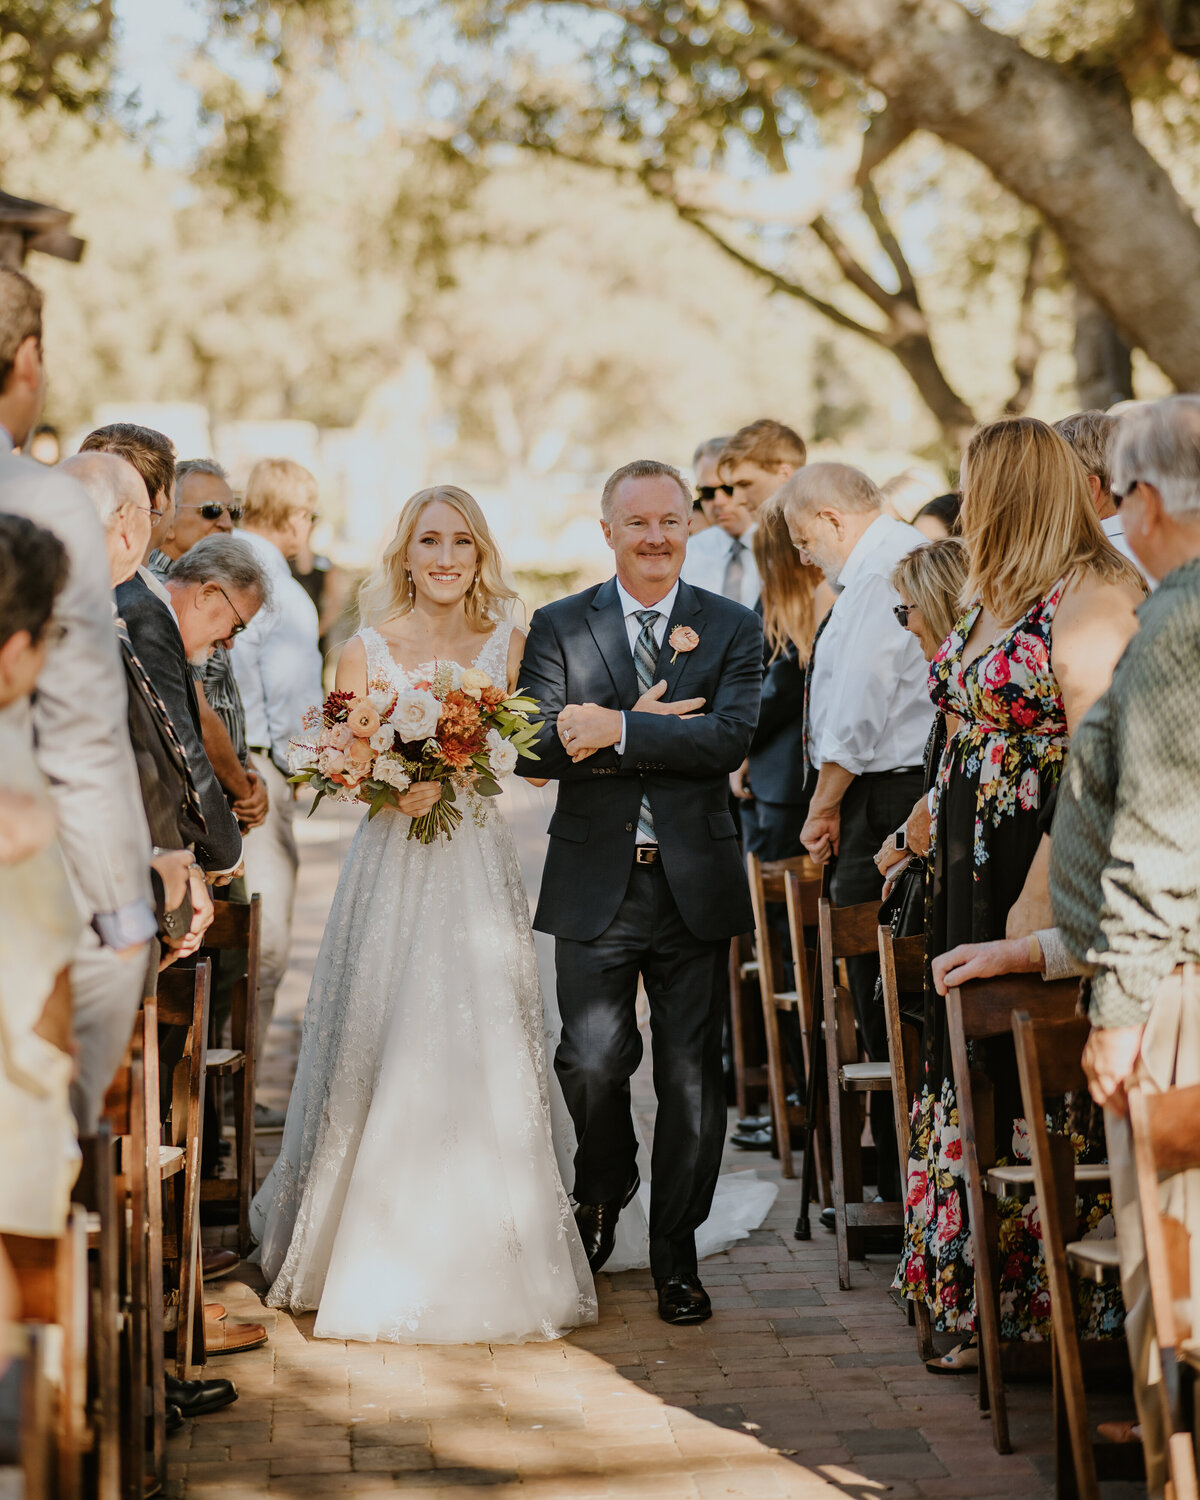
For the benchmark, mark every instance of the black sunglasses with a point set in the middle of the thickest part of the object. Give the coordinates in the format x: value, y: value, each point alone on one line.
x: 211, y: 510
x: 1120, y: 496
x: 902, y: 611
x: 711, y: 491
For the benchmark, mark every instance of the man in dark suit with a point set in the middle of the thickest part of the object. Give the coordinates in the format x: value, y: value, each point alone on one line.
x: 643, y: 873
x: 214, y: 589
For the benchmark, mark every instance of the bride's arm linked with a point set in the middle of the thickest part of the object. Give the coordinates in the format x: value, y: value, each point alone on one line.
x: 352, y: 678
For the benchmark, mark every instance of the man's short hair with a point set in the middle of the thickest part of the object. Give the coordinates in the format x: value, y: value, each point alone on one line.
x: 33, y: 572
x: 709, y: 448
x: 275, y: 489
x: 766, y: 443
x: 837, y: 485
x: 641, y: 468
x: 1090, y: 434
x: 151, y: 453
x: 20, y: 317
x: 109, y: 481
x: 207, y: 466
x: 225, y: 560
x: 1159, y: 443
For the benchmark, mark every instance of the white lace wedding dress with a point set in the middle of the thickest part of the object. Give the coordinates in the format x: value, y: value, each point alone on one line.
x: 416, y: 1197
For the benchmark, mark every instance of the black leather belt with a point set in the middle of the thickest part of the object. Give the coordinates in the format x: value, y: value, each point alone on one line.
x: 645, y: 854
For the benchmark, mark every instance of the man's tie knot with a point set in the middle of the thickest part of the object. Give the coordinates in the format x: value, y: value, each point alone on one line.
x: 647, y: 617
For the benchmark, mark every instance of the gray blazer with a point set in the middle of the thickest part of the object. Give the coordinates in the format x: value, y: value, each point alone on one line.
x: 79, y: 710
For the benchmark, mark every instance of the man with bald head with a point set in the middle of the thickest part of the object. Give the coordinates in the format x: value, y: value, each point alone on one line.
x: 868, y: 720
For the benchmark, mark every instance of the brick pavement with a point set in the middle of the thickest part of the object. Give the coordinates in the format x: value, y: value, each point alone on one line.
x: 793, y: 1389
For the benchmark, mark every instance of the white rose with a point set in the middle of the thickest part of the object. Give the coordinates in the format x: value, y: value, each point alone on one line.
x: 502, y: 753
x: 302, y: 754
x: 382, y: 738
x: 380, y: 701
x: 390, y: 770
x: 416, y: 715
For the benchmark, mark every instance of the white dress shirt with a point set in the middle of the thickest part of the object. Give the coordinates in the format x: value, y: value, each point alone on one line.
x: 869, y: 707
x: 1115, y: 532
x: 276, y: 659
x: 631, y: 608
x: 708, y: 557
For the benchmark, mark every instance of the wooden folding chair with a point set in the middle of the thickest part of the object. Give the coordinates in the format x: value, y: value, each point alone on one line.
x: 1166, y: 1142
x: 236, y: 928
x: 768, y: 883
x: 849, y: 932
x: 978, y: 1012
x: 1049, y: 1059
x: 902, y: 970
x: 183, y: 1001
x: 96, y: 1191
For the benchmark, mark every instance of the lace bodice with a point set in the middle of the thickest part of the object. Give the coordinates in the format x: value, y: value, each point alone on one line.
x: 383, y: 670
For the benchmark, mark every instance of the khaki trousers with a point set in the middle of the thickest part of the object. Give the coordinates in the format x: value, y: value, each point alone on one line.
x: 271, y: 863
x: 1170, y: 1057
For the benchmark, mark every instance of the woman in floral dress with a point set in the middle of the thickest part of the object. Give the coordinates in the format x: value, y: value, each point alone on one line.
x: 1052, y: 611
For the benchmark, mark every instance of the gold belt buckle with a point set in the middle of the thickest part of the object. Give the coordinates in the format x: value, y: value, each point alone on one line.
x: 647, y: 854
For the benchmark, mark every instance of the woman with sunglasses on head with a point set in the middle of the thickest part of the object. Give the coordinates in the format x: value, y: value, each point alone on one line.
x: 1050, y: 608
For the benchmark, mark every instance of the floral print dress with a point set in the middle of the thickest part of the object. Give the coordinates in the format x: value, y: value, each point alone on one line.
x: 994, y: 776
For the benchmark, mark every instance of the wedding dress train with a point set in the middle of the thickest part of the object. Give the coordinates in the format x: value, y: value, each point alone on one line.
x: 416, y: 1197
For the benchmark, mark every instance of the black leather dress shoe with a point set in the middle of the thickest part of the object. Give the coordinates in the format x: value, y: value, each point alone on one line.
x: 597, y: 1223
x: 828, y: 1219
x: 681, y: 1299
x: 753, y: 1122
x: 196, y: 1397
x: 174, y: 1419
x: 752, y: 1140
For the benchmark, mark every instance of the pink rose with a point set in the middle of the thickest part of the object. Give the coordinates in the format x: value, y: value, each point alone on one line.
x: 682, y: 638
x: 337, y: 736
x: 331, y: 762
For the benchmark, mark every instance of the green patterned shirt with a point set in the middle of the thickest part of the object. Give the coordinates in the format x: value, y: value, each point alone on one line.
x: 1125, y: 866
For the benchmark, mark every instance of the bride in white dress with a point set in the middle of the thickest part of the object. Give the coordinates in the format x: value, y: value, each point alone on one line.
x: 416, y: 1197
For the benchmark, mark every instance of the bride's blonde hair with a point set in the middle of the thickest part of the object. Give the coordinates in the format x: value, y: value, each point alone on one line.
x: 388, y: 592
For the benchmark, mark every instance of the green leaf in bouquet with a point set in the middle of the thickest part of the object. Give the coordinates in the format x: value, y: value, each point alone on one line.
x: 380, y: 800
x: 316, y: 801
x: 486, y: 786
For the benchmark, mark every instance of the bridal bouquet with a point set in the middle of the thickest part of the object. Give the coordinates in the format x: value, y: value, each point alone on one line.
x: 456, y: 728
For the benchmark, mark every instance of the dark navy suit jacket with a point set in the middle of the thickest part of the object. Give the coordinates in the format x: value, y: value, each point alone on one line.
x: 578, y: 652
x: 777, y: 771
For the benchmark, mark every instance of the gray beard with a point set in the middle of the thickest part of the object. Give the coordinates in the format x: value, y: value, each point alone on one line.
x: 200, y: 658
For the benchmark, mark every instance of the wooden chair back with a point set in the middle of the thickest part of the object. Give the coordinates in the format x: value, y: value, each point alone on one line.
x: 96, y: 1190
x: 1166, y: 1141
x: 978, y: 1011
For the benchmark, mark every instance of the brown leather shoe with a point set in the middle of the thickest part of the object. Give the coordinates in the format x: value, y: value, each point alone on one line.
x: 233, y: 1338
x: 217, y: 1263
x: 1120, y: 1432
x: 214, y: 1312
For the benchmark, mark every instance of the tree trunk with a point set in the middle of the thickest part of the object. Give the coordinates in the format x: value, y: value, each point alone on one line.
x: 1103, y: 367
x: 1131, y: 241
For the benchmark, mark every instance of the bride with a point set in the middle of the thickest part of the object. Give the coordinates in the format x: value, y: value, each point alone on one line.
x: 416, y: 1197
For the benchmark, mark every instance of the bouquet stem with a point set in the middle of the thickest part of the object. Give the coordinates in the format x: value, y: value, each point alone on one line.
x: 442, y: 818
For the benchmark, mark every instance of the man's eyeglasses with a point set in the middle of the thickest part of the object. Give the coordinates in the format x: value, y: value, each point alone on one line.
x: 241, y: 624
x: 211, y: 510
x: 1120, y: 496
x: 711, y: 491
x: 152, y: 511
x: 902, y: 611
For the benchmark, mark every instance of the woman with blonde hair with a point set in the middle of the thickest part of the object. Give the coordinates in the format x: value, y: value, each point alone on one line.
x: 417, y: 1197
x: 1049, y: 607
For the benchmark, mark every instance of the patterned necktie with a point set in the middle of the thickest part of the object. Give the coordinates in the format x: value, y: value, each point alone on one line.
x: 160, y: 708
x: 808, y: 677
x: 735, y: 571
x: 645, y: 661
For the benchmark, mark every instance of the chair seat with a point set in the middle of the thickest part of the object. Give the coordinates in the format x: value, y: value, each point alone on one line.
x: 171, y: 1159
x: 225, y: 1060
x: 1095, y: 1259
x: 785, y: 999
x: 865, y: 1075
x: 1016, y: 1181
x: 748, y: 968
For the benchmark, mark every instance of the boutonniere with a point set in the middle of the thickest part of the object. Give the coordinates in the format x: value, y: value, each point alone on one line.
x: 682, y: 638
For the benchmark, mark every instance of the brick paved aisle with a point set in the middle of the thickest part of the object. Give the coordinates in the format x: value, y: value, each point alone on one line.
x: 793, y: 1389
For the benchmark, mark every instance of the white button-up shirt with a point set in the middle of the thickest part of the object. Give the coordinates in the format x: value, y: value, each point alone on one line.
x: 1115, y: 532
x: 276, y: 659
x: 708, y: 557
x: 869, y: 706
x: 631, y: 608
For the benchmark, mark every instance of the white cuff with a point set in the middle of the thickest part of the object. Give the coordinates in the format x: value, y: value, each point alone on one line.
x: 619, y: 747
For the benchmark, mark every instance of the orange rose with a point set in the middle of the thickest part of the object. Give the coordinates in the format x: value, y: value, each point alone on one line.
x: 359, y: 756
x: 362, y: 719
x: 682, y: 638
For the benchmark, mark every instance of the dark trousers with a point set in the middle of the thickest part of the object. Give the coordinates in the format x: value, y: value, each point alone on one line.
x: 601, y: 1048
x: 873, y: 808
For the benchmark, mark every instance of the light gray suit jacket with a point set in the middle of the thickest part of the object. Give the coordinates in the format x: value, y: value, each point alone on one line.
x: 79, y: 712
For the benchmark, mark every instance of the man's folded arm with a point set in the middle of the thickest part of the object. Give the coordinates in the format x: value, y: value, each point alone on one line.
x: 543, y: 676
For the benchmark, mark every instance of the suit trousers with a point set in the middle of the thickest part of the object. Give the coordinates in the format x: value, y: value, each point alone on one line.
x: 601, y: 1048
x: 106, y: 992
x: 873, y: 808
x: 272, y: 861
x: 1170, y: 1058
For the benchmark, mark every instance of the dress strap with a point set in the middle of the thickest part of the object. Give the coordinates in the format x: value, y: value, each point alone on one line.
x: 493, y: 659
x: 380, y: 665
x: 1049, y: 605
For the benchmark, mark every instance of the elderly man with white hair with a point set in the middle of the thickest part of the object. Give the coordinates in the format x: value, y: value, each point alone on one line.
x: 868, y: 718
x: 1125, y: 862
